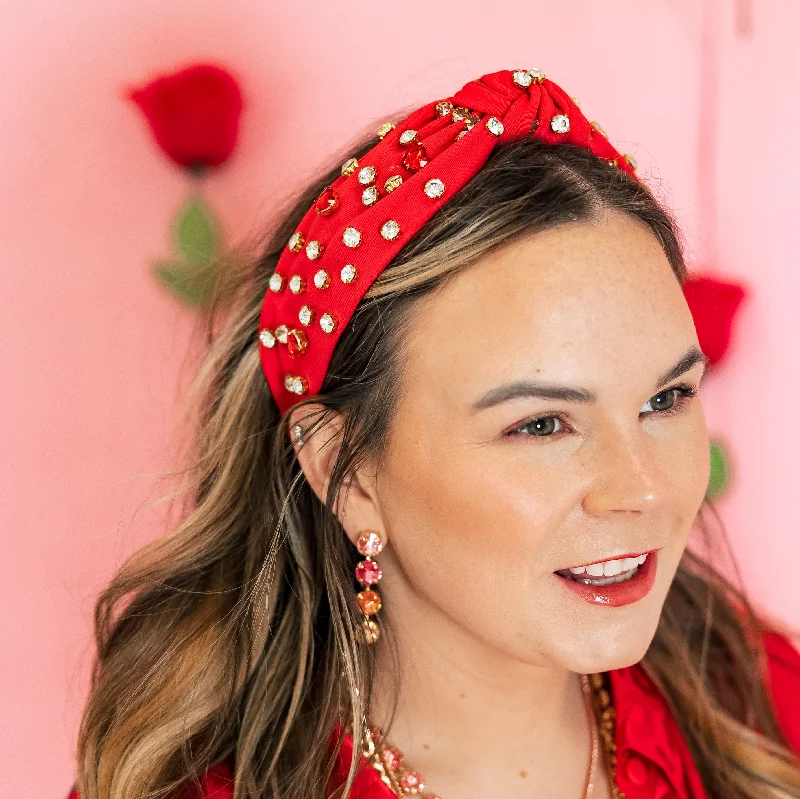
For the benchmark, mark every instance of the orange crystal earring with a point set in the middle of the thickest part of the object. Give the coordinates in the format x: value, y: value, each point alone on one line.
x: 368, y: 573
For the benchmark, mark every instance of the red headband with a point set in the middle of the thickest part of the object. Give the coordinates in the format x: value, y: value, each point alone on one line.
x: 362, y: 220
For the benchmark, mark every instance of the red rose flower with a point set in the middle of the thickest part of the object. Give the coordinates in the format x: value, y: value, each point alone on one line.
x: 194, y: 114
x: 713, y: 304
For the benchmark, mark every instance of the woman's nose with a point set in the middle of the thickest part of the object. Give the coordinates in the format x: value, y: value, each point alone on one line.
x: 626, y: 475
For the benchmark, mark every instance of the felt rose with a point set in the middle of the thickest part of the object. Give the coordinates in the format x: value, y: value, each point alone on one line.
x: 713, y: 304
x: 194, y: 114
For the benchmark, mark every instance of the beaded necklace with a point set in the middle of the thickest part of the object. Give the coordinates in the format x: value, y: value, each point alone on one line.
x: 389, y: 763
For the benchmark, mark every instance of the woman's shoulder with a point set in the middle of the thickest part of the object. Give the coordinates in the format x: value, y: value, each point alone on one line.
x: 216, y: 783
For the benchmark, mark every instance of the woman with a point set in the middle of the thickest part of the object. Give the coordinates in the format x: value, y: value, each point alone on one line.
x: 447, y: 535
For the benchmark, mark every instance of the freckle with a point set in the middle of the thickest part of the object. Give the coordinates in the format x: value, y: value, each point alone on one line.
x: 426, y: 746
x: 462, y: 696
x: 523, y: 774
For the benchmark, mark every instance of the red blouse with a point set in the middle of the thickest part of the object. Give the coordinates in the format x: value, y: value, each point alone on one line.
x: 653, y: 760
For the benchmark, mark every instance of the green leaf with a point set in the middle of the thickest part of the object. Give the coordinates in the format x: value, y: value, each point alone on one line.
x: 720, y: 474
x: 197, y: 233
x: 194, y: 285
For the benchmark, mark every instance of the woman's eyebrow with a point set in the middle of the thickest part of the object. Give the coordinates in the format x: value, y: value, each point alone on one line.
x: 553, y: 391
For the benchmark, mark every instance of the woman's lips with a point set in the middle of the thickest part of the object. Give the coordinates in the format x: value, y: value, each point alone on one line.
x: 616, y: 593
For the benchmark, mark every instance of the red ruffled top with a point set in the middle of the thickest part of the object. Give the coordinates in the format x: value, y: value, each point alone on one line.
x: 653, y: 760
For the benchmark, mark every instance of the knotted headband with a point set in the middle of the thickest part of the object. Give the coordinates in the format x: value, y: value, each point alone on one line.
x: 363, y: 219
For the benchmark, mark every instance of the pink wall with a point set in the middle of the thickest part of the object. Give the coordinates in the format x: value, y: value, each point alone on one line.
x: 95, y: 355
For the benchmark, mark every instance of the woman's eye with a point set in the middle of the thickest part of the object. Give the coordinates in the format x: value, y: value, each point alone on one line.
x: 670, y: 400
x: 543, y: 426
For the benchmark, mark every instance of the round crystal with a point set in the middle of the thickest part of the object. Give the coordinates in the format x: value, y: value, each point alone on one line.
x: 495, y: 126
x: 327, y: 322
x: 267, y: 338
x: 306, y: 315
x: 348, y: 273
x: 370, y: 195
x: 368, y: 572
x: 523, y: 78
x: 444, y: 108
x: 282, y: 333
x: 349, y: 166
x: 296, y: 241
x: 351, y: 237
x: 295, y: 384
x: 560, y: 123
x: 537, y: 75
x: 369, y: 602
x: 296, y: 284
x: 369, y: 543
x: 434, y: 188
x: 368, y: 631
x: 407, y: 136
x: 314, y: 250
x: 321, y: 279
x: 367, y: 175
x: 275, y: 282
x: 390, y: 230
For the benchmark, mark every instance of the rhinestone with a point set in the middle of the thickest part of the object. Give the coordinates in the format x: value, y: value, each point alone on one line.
x: 523, y: 78
x: 297, y: 241
x: 327, y: 202
x: 276, y: 282
x: 348, y: 273
x: 495, y: 126
x: 612, y: 162
x: 267, y: 338
x: 314, y: 250
x: 395, y: 181
x: 351, y: 237
x: 368, y: 632
x: 349, y: 166
x: 537, y: 76
x: 559, y: 123
x: 386, y: 127
x: 321, y: 279
x: 390, y: 230
x: 392, y: 758
x: 327, y: 322
x: 412, y: 782
x: 459, y: 113
x: 407, y: 136
x: 472, y: 120
x: 434, y: 189
x: 368, y: 572
x: 298, y: 343
x: 631, y: 160
x: 415, y: 158
x: 444, y: 108
x: 597, y: 127
x: 367, y: 175
x: 370, y: 195
x: 369, y: 602
x: 369, y: 544
x: 282, y: 333
x: 296, y: 284
x: 295, y: 384
x: 306, y: 315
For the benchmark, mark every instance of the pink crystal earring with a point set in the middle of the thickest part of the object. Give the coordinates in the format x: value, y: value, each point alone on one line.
x: 368, y: 573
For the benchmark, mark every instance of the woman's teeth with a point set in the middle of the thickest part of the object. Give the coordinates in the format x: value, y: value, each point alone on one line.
x: 605, y: 572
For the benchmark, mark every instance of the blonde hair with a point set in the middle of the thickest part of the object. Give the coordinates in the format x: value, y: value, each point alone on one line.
x: 233, y: 635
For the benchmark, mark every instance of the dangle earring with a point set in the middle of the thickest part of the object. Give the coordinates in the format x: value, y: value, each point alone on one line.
x: 368, y: 573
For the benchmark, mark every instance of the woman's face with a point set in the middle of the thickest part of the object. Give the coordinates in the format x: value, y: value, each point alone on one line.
x: 491, y: 484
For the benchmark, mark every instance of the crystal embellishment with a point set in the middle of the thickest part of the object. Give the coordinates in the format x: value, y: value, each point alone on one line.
x: 367, y: 175
x: 631, y: 160
x: 295, y: 384
x: 369, y: 602
x: 386, y: 127
x: 537, y: 75
x: 351, y: 237
x: 296, y: 241
x: 523, y: 78
x: 444, y: 108
x: 368, y: 572
x: 407, y: 136
x: 390, y: 230
x: 306, y: 315
x: 434, y: 189
x: 314, y: 250
x: 296, y: 284
x: 267, y: 338
x: 392, y: 183
x: 369, y: 544
x: 321, y: 279
x: 495, y: 126
x: 348, y: 273
x: 559, y: 123
x: 298, y: 343
x: 327, y: 322
x: 282, y: 333
x: 370, y: 195
x: 349, y: 166
x: 327, y: 202
x: 276, y: 282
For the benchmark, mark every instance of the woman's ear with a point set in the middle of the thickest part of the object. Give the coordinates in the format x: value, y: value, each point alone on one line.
x: 316, y: 434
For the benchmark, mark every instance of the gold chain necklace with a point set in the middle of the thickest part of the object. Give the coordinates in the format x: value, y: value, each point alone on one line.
x: 388, y: 761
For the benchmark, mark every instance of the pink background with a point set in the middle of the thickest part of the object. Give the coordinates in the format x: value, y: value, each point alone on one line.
x: 95, y: 354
